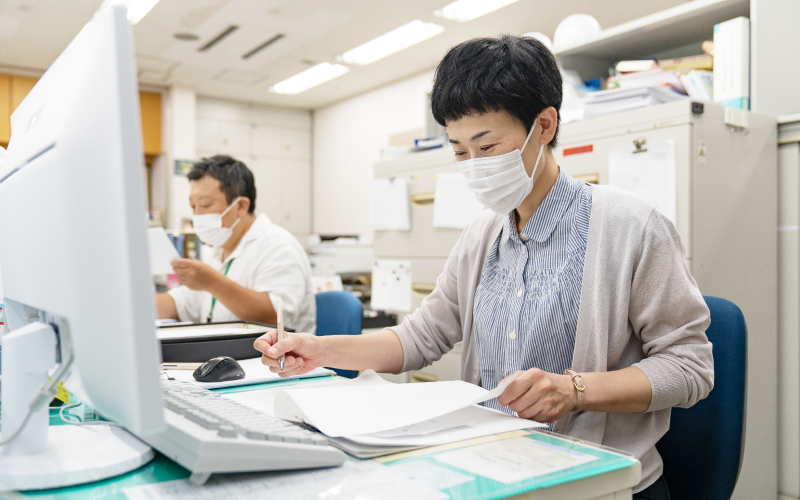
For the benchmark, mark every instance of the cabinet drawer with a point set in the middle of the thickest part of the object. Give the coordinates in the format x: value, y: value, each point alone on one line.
x: 447, y: 368
x: 594, y: 163
x: 423, y: 240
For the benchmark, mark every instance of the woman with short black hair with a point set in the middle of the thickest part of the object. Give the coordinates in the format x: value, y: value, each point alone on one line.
x: 582, y: 291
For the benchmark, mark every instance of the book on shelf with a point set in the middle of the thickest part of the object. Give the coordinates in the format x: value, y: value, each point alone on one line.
x: 636, y: 65
x: 655, y: 77
x: 703, y: 61
x: 732, y: 67
x: 699, y: 84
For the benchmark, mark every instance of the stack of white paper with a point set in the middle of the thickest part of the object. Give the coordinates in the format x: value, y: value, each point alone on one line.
x: 617, y: 100
x: 370, y: 411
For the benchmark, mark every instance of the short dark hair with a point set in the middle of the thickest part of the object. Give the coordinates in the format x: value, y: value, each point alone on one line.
x: 235, y: 179
x: 518, y: 75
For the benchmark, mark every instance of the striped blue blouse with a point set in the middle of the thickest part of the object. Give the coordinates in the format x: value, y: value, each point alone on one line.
x: 527, y: 302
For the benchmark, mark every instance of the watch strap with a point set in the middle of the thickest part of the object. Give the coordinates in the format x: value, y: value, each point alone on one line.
x: 577, y: 381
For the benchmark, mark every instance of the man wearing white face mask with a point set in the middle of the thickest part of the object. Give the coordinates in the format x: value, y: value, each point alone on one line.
x: 248, y: 265
x: 582, y: 291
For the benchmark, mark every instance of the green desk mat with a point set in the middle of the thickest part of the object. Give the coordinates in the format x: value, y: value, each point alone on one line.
x: 483, y: 488
x: 163, y: 469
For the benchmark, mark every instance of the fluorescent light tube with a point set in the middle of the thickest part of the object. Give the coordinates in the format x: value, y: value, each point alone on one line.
x: 137, y: 9
x: 311, y: 77
x: 391, y: 42
x: 467, y: 10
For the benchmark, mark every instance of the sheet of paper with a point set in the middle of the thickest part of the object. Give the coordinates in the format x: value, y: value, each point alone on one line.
x: 649, y: 174
x: 180, y: 333
x: 354, y: 480
x: 263, y: 400
x: 467, y: 423
x: 366, y: 409
x: 390, y: 209
x: 391, y: 285
x: 254, y: 373
x: 162, y: 251
x: 454, y: 204
x: 427, y: 474
x: 513, y: 460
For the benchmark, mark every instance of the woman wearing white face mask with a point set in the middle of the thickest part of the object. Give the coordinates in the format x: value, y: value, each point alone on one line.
x: 582, y: 290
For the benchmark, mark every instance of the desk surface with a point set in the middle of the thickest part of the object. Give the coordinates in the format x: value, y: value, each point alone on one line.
x: 609, y: 477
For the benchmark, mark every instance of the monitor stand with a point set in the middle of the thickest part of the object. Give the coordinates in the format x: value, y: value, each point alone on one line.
x: 42, y: 456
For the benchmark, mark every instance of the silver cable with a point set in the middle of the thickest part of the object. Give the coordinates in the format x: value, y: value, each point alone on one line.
x: 46, y: 391
x: 68, y: 407
x: 82, y: 423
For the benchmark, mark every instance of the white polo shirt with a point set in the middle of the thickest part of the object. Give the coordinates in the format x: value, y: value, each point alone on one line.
x: 268, y: 259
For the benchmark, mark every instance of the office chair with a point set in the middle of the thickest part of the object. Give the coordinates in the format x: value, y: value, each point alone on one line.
x: 703, y: 449
x: 339, y: 313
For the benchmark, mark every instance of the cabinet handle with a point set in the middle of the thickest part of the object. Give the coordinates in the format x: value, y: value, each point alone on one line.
x: 423, y: 288
x: 422, y: 199
x: 423, y: 377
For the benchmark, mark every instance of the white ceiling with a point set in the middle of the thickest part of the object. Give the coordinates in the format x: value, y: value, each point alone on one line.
x: 34, y: 32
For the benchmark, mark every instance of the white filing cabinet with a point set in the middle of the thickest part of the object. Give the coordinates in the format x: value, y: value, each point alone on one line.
x: 789, y: 305
x: 727, y: 190
x: 427, y: 247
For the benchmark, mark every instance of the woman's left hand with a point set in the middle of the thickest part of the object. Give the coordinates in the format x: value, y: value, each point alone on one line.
x: 540, y: 396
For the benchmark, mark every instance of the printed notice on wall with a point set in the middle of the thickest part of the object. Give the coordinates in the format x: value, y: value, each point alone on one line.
x: 391, y: 285
x: 454, y: 204
x: 390, y: 209
x: 649, y: 174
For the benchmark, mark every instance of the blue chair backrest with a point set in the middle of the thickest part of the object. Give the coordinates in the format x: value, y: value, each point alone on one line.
x: 703, y: 448
x: 339, y: 313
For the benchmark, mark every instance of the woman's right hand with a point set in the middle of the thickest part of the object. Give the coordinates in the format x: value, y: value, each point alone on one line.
x: 302, y: 352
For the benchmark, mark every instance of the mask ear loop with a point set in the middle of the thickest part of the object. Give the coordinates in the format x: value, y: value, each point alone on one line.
x: 541, y: 149
x: 529, y: 135
x: 231, y: 206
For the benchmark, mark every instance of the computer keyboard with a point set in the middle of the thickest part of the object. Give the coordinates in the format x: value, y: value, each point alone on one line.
x: 208, y: 433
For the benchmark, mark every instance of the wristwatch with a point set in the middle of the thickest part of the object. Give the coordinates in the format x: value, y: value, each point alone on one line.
x: 578, y: 381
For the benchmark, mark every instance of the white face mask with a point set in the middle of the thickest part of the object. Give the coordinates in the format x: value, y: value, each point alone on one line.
x: 501, y: 182
x: 209, y: 227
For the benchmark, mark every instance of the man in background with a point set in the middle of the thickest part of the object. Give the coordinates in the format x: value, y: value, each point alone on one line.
x: 248, y: 267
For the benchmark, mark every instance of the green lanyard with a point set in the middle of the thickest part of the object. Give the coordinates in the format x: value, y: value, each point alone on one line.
x: 214, y: 299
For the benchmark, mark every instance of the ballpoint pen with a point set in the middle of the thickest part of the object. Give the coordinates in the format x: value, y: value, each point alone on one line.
x: 280, y: 335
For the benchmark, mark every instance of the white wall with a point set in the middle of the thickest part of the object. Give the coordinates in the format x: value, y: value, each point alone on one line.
x: 348, y: 138
x: 275, y: 143
x: 169, y: 191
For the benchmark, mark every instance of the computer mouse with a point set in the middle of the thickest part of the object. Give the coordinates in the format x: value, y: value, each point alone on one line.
x: 219, y: 369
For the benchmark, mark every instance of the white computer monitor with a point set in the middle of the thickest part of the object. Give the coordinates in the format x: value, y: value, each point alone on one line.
x: 73, y: 230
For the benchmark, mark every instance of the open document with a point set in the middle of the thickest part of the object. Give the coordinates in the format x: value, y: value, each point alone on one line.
x: 384, y: 414
x: 162, y: 251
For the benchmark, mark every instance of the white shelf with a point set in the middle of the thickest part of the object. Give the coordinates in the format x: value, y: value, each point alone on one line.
x: 679, y: 26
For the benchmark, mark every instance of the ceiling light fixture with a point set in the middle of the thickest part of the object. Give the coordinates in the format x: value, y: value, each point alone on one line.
x: 186, y: 37
x: 467, y: 10
x: 391, y: 42
x: 230, y: 29
x: 311, y: 77
x: 263, y: 46
x: 137, y: 9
